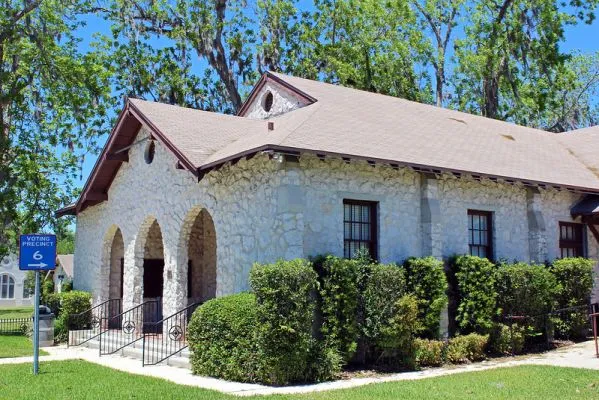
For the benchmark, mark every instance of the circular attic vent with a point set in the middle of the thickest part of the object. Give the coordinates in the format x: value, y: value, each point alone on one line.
x: 149, y: 152
x: 267, y: 101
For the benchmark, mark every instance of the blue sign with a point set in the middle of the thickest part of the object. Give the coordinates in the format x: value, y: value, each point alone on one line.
x: 37, y: 252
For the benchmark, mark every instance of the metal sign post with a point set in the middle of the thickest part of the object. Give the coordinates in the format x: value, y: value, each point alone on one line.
x: 37, y: 253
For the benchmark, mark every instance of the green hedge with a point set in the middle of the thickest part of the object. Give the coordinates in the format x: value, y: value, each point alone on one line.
x: 575, y: 277
x: 73, y: 302
x: 222, y: 338
x: 384, y: 286
x: 524, y: 289
x: 475, y: 288
x: 284, y: 295
x: 339, y: 302
x: 426, y: 280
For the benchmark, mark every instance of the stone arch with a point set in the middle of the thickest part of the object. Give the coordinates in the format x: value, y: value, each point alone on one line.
x: 149, y: 259
x: 197, y: 255
x: 111, y: 271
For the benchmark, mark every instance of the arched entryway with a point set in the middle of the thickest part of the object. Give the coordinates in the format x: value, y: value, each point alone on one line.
x: 199, y: 244
x: 153, y: 268
x: 111, y: 284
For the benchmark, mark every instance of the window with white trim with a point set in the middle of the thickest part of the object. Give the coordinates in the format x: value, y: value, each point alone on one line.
x: 7, y: 287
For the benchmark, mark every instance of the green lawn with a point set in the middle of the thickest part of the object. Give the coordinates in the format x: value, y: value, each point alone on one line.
x: 82, y: 380
x: 16, y: 346
x: 15, y: 312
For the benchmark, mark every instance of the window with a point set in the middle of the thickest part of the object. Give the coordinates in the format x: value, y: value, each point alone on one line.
x: 571, y: 241
x: 359, y: 227
x: 480, y: 233
x: 149, y: 152
x: 7, y: 287
x: 267, y: 101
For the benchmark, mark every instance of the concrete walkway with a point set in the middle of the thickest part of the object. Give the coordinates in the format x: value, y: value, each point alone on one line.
x: 581, y: 355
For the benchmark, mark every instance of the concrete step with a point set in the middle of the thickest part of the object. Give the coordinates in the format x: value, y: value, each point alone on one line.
x: 135, y: 350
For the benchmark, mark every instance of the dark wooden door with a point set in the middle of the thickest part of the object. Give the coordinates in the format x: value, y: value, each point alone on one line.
x: 153, y: 283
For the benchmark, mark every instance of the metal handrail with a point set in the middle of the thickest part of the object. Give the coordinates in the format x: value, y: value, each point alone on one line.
x: 157, y: 347
x: 89, y: 321
x: 128, y: 330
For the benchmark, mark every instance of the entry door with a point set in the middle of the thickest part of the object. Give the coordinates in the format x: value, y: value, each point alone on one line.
x: 153, y: 280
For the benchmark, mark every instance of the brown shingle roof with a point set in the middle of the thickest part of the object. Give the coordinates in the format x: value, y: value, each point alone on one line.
x: 359, y: 124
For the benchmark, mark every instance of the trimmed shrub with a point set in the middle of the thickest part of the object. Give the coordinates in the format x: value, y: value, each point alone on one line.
x: 426, y: 280
x: 340, y: 296
x: 461, y: 349
x: 285, y: 312
x: 67, y: 286
x: 526, y: 290
x: 429, y: 353
x: 384, y: 286
x: 74, y: 302
x: 325, y: 363
x: 397, y: 335
x: 575, y: 276
x: 222, y: 338
x: 53, y: 302
x: 505, y: 341
x: 475, y: 287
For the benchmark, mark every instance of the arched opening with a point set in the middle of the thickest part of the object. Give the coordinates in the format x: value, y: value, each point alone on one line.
x: 117, y: 259
x: 201, y: 257
x: 153, y: 272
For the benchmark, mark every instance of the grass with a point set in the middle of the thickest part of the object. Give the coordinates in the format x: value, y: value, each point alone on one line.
x: 82, y: 380
x: 15, y: 312
x: 16, y: 346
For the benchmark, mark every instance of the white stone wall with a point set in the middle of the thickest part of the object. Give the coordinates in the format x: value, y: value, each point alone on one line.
x: 284, y: 100
x: 264, y: 209
x: 240, y: 199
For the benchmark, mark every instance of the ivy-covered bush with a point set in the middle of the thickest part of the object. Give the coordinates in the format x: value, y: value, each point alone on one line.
x: 471, y: 347
x: 429, y: 353
x: 426, y: 280
x: 575, y: 277
x: 474, y: 279
x: 222, y: 338
x: 397, y: 335
x: 285, y: 311
x: 384, y: 286
x: 340, y: 297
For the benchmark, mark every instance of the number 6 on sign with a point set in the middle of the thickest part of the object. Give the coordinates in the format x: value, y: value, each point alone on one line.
x: 37, y: 256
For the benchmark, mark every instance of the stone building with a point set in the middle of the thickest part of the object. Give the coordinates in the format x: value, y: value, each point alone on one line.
x: 182, y: 202
x: 13, y: 291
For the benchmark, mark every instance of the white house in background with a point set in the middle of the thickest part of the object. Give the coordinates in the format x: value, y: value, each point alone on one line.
x: 12, y: 284
x: 182, y: 202
x: 63, y: 272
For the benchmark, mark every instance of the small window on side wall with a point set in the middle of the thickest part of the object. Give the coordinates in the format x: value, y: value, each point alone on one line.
x: 571, y: 240
x: 359, y: 228
x: 480, y: 233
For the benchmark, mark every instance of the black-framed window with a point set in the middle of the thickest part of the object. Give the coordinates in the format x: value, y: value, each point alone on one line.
x: 571, y: 239
x: 480, y: 233
x: 359, y: 227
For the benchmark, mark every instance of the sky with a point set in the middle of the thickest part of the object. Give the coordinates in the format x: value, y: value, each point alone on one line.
x: 582, y: 38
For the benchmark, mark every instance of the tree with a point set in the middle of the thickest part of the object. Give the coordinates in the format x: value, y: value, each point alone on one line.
x: 65, y: 242
x: 511, y: 45
x: 221, y: 33
x: 575, y: 103
x: 440, y: 18
x: 53, y: 106
x: 369, y: 45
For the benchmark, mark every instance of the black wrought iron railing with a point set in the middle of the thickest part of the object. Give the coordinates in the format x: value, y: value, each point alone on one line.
x: 167, y: 336
x: 129, y: 326
x: 87, y: 325
x: 543, y: 330
x: 15, y: 326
